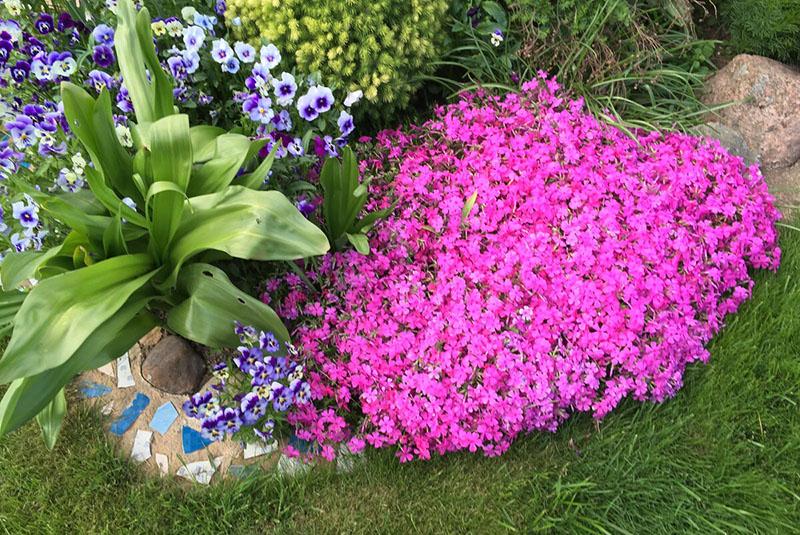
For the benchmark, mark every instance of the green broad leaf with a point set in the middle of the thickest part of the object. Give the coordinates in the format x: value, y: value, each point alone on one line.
x: 61, y: 313
x: 148, y: 85
x: 360, y: 242
x: 26, y: 397
x: 113, y: 240
x: 20, y: 267
x: 171, y: 159
x: 256, y: 179
x: 231, y: 152
x: 10, y: 303
x: 214, y: 304
x: 51, y: 418
x: 247, y: 224
x: 468, y: 206
x: 111, y: 201
x: 203, y: 146
x: 93, y: 124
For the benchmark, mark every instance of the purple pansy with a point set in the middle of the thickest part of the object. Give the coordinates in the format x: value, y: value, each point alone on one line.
x: 285, y: 89
x: 20, y: 71
x: 103, y: 35
x: 103, y: 56
x: 345, y: 123
x: 44, y: 23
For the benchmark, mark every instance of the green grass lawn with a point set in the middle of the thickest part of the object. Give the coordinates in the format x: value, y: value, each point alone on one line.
x: 722, y: 457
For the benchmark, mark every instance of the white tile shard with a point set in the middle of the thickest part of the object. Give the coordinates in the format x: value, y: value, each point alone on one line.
x: 107, y: 369
x: 107, y: 409
x: 162, y: 461
x: 141, y: 446
x: 200, y: 471
x: 124, y: 375
x: 257, y: 450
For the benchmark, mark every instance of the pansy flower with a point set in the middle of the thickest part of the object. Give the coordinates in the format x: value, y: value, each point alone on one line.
x: 245, y: 52
x: 266, y: 431
x: 193, y: 37
x: 22, y: 130
x: 69, y: 181
x: 345, y: 123
x: 26, y: 213
x: 253, y: 408
x: 281, y: 398
x: 20, y: 71
x: 44, y: 23
x: 103, y: 35
x: 268, y: 342
x: 211, y: 429
x: 306, y: 108
x: 353, y: 97
x: 259, y: 109
x: 221, y: 51
x: 177, y: 66
x: 285, y: 89
x: 270, y: 56
x: 219, y: 7
x: 103, y: 56
x: 5, y: 51
x: 231, y: 65
x: 100, y: 80
x: 20, y: 242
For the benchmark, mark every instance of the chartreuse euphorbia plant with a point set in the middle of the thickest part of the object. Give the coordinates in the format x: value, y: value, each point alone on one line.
x: 138, y: 250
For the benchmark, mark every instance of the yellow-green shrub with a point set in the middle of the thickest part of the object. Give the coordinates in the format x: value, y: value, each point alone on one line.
x: 379, y: 46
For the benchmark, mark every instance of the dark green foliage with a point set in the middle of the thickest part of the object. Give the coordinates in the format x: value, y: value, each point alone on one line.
x: 765, y: 27
x: 637, y: 63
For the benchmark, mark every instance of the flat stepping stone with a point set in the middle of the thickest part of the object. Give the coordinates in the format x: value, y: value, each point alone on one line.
x: 130, y: 414
x: 94, y: 390
x: 141, y: 446
x: 164, y: 417
x: 192, y: 440
x: 124, y: 374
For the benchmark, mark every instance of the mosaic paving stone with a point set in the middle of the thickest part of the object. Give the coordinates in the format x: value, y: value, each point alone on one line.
x: 130, y: 414
x: 164, y: 417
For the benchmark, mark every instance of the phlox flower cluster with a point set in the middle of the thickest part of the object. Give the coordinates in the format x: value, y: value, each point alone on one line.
x: 254, y: 391
x: 538, y: 263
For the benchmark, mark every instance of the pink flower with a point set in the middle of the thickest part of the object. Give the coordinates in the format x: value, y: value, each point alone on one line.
x: 591, y: 267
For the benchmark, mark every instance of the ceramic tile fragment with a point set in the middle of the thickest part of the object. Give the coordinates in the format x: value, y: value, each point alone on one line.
x: 141, y: 446
x: 107, y: 409
x: 130, y: 414
x: 162, y: 461
x: 107, y: 369
x: 256, y: 450
x: 124, y: 375
x: 192, y: 440
x: 200, y: 471
x: 91, y: 390
x: 164, y: 417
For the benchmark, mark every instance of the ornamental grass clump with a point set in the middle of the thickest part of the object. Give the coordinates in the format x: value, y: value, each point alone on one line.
x: 538, y: 263
x: 379, y: 47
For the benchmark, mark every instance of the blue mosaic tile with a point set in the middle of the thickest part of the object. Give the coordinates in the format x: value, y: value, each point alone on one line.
x: 130, y: 414
x: 192, y: 440
x: 164, y: 417
x: 94, y: 390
